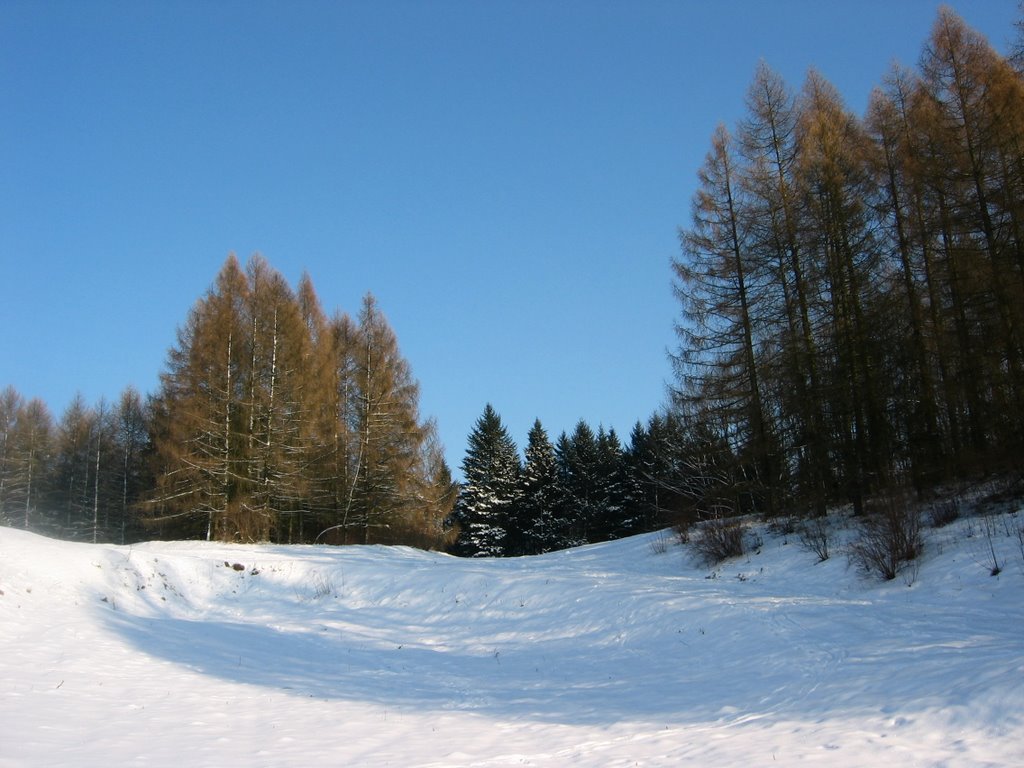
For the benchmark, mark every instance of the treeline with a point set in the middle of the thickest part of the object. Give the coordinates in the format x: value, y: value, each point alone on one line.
x: 584, y: 487
x: 272, y: 422
x: 81, y: 478
x: 852, y: 290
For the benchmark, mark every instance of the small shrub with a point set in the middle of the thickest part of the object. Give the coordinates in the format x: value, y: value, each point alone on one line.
x: 717, y: 540
x: 322, y: 586
x: 994, y: 563
x: 816, y: 537
x: 942, y: 513
x: 659, y: 544
x: 784, y: 525
x: 682, y: 531
x: 887, y: 540
x: 755, y: 543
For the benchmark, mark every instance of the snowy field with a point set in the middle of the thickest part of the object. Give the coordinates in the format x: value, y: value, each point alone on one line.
x: 621, y: 654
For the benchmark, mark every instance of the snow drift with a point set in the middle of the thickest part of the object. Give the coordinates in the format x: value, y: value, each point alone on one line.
x: 627, y: 653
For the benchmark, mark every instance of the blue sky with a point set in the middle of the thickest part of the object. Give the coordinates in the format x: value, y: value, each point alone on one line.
x: 507, y: 178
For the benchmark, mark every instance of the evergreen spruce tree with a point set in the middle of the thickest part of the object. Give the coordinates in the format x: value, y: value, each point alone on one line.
x: 658, y: 482
x: 540, y: 525
x: 491, y: 480
x: 608, y: 522
x: 578, y: 469
x: 635, y: 509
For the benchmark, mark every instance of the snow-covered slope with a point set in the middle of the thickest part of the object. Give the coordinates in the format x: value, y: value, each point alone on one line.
x: 617, y: 654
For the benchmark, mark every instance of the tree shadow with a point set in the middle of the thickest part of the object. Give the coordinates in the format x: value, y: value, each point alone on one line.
x: 541, y: 682
x: 678, y: 653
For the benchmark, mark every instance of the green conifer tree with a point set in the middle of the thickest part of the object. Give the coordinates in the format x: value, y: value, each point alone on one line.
x: 489, y: 490
x: 539, y: 526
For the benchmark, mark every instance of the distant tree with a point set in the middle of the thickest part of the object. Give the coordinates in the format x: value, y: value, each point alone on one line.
x: 275, y: 441
x: 424, y: 524
x: 323, y: 423
x: 11, y: 405
x: 975, y: 118
x: 924, y: 389
x: 274, y: 424
x: 579, y: 475
x: 721, y: 283
x: 539, y: 524
x: 29, y: 460
x: 134, y: 478
x: 835, y: 180
x: 1017, y: 50
x: 768, y: 142
x: 640, y: 512
x: 390, y: 476
x: 489, y: 489
x: 200, y: 417
x: 337, y: 460
x: 72, y: 470
x: 609, y: 513
x: 103, y: 457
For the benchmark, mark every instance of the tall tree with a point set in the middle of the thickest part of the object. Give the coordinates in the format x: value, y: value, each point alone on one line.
x: 609, y: 518
x: 340, y: 459
x: 769, y: 146
x: 580, y: 477
x: 275, y: 441
x: 859, y: 284
x: 321, y: 420
x: 133, y: 445
x: 834, y: 180
x: 434, y: 494
x: 73, y: 469
x: 977, y: 98
x: 104, y: 465
x: 390, y: 435
x: 539, y: 524
x: 489, y: 490
x: 29, y: 462
x: 200, y: 417
x: 922, y: 362
x: 722, y: 295
x: 11, y: 405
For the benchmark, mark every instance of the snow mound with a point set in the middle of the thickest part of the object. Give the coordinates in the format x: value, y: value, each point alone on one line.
x: 171, y: 653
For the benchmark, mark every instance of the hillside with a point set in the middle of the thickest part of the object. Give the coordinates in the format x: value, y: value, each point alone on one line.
x: 628, y: 653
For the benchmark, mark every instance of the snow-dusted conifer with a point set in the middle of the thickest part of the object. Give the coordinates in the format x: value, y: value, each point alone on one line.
x: 610, y: 497
x: 578, y: 468
x: 539, y: 523
x: 491, y: 478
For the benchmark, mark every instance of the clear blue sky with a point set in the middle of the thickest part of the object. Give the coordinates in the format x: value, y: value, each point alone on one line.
x: 506, y: 177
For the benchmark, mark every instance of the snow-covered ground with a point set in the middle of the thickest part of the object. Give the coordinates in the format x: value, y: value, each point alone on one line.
x: 621, y: 654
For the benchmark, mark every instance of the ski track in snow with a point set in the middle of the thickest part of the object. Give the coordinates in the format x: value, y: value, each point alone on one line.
x: 609, y: 655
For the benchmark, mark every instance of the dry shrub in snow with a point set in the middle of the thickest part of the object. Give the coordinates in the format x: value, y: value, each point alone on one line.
x: 944, y: 512
x: 816, y: 537
x: 717, y: 540
x: 888, y: 539
x: 659, y: 544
